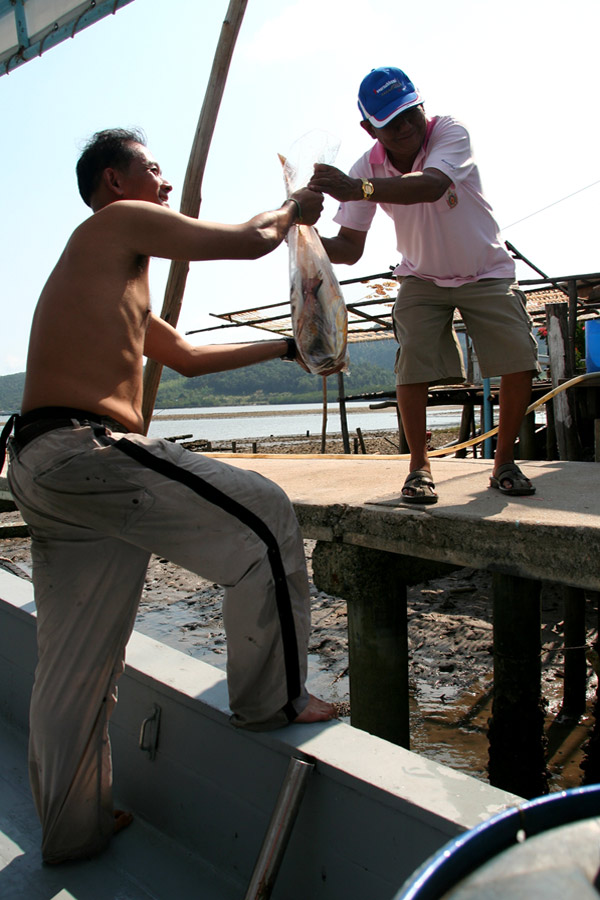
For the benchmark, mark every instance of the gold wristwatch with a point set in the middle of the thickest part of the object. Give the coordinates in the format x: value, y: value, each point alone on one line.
x: 367, y: 188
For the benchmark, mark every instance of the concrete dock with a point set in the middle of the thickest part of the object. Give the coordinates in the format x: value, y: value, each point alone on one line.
x: 552, y: 535
x: 370, y: 545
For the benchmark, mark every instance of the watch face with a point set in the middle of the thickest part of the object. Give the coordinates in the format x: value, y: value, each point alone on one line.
x: 367, y: 188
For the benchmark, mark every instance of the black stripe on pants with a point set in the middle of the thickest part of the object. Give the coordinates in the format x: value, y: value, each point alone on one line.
x: 282, y: 595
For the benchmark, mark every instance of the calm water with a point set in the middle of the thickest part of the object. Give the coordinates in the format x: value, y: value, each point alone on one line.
x: 226, y: 423
x: 238, y: 422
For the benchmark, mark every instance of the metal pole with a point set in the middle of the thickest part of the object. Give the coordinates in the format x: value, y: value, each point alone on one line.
x: 488, y: 418
x: 279, y: 830
x: 518, y: 255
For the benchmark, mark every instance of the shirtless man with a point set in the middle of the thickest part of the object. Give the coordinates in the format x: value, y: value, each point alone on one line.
x: 100, y: 497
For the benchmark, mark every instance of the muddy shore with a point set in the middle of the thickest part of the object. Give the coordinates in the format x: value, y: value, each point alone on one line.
x: 383, y: 441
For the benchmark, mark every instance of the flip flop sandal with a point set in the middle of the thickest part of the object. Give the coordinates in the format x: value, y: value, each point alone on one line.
x: 518, y: 483
x: 421, y: 482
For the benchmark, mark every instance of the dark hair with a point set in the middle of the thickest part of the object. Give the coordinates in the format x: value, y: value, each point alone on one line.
x: 104, y: 149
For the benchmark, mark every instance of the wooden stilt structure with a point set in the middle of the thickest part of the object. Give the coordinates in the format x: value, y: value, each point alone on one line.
x: 516, y: 729
x: 561, y: 368
x: 373, y: 584
x: 324, y: 417
x: 343, y: 415
x: 575, y: 649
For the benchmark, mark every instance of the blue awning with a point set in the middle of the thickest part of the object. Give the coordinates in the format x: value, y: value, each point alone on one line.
x: 29, y: 28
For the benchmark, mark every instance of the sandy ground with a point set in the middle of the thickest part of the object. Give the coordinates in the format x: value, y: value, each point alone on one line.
x: 450, y: 638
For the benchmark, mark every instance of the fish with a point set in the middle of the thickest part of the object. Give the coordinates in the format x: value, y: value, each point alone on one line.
x: 319, y: 315
x: 307, y: 324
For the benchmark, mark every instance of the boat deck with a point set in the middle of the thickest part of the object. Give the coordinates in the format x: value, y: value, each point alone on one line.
x: 371, y: 813
x: 141, y: 864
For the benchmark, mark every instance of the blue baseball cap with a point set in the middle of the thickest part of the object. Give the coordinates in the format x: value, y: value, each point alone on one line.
x: 385, y: 93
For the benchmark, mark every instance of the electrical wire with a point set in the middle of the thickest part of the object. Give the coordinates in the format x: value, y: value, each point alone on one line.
x: 550, y: 205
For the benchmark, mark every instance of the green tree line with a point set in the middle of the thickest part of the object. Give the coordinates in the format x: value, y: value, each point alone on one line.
x: 371, y: 369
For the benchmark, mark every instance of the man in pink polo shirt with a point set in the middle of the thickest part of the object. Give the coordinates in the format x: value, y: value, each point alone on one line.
x: 422, y: 173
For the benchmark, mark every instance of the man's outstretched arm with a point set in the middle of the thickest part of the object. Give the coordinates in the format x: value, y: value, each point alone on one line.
x: 414, y: 187
x: 165, y: 345
x: 147, y: 229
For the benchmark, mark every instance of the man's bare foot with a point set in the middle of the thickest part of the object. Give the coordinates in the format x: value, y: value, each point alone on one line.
x: 122, y: 820
x: 316, y: 711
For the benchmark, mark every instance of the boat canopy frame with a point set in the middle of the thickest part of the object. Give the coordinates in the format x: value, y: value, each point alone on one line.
x: 30, y: 27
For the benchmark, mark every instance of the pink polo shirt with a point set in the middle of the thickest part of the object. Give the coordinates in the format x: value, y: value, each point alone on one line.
x: 452, y: 241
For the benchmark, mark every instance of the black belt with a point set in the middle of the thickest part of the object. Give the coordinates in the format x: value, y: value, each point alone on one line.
x: 47, y: 418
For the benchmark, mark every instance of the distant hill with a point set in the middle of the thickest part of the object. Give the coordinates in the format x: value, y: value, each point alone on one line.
x: 371, y: 369
x: 11, y: 391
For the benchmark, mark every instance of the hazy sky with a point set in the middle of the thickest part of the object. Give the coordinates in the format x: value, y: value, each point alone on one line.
x: 522, y: 75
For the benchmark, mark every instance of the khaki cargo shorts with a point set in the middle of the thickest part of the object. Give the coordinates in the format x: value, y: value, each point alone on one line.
x: 496, y: 320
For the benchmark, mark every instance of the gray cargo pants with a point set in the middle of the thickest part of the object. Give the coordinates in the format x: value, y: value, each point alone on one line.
x: 98, y: 504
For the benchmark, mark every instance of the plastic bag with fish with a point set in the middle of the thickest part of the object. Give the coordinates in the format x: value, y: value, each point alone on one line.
x: 319, y: 315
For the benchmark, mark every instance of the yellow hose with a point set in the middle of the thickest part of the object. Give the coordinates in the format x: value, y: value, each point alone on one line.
x: 442, y: 451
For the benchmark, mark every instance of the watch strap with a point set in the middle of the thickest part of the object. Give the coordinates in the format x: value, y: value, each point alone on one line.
x: 292, y: 350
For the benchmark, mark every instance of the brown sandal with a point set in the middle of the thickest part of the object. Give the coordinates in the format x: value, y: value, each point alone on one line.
x: 421, y: 484
x: 510, y: 480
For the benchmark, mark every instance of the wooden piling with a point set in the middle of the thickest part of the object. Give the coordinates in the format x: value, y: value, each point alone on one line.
x: 343, y: 413
x: 527, y: 440
x: 467, y: 428
x: 377, y: 634
x: 374, y: 583
x: 516, y: 729
x: 574, y: 697
x: 567, y: 438
x: 379, y: 660
x: 402, y: 442
x: 591, y: 761
x: 324, y: 416
x: 361, y: 441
